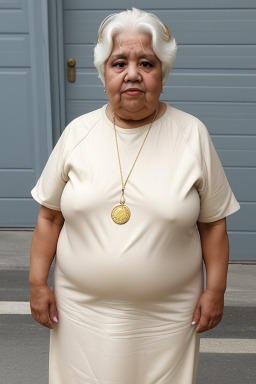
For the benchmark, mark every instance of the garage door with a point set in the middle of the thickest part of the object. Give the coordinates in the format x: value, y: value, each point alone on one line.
x: 213, y: 78
x: 25, y: 113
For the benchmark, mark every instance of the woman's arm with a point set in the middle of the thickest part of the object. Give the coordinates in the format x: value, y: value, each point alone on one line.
x: 215, y: 247
x: 43, y: 247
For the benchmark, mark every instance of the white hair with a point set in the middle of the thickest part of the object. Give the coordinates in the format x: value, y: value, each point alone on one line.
x: 163, y: 45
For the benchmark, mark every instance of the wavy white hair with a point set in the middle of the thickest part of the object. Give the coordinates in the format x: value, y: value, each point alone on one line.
x: 163, y: 44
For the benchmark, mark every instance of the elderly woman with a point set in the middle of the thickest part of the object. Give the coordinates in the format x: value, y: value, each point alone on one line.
x: 133, y: 199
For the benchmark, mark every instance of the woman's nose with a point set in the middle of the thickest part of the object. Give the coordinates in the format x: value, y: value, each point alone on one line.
x: 132, y: 73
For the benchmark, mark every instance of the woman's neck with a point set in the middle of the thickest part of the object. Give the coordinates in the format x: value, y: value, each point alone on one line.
x: 126, y: 123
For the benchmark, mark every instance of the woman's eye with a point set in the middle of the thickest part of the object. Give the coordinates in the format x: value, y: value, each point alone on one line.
x: 146, y: 64
x: 119, y: 65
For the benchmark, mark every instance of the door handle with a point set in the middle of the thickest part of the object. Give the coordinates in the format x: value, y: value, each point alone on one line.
x: 71, y: 69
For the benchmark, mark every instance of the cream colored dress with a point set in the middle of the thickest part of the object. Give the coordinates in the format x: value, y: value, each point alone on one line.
x: 126, y: 293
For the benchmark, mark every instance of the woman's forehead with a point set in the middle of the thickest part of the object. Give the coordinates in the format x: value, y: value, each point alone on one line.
x: 139, y: 42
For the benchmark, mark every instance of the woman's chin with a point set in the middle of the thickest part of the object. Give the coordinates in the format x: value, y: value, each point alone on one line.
x: 133, y: 105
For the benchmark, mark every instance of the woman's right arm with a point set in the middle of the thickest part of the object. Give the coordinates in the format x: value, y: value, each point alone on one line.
x: 43, y: 248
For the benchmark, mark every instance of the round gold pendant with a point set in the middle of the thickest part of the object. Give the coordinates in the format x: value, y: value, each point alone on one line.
x: 120, y: 214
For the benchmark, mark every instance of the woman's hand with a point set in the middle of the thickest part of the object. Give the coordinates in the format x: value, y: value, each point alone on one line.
x: 43, y: 249
x: 208, y: 311
x: 43, y: 306
x: 215, y: 247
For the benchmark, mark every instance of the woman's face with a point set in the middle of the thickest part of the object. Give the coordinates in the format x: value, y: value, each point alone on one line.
x: 133, y: 77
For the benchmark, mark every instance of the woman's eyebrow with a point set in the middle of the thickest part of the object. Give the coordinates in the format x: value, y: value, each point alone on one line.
x: 144, y: 56
x: 147, y: 56
x: 121, y: 56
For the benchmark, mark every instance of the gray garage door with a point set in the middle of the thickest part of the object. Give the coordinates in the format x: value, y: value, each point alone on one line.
x: 25, y: 113
x: 213, y: 78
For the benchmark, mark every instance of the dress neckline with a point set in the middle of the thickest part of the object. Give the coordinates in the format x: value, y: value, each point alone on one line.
x: 130, y: 131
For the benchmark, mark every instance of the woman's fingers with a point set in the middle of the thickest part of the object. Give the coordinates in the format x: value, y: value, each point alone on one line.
x: 53, y: 312
x: 46, y: 323
x: 200, y: 319
x: 196, y: 314
x: 207, y: 322
x: 40, y: 313
x: 203, y: 324
x: 214, y: 322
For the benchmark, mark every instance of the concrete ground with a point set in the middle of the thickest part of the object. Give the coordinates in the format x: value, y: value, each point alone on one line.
x: 227, y: 354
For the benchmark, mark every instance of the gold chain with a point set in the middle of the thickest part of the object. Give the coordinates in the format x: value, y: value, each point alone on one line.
x: 122, y: 200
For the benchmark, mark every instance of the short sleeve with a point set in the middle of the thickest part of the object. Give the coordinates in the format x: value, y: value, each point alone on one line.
x: 216, y: 196
x: 49, y: 187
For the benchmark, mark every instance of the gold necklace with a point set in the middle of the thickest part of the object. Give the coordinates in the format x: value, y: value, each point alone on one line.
x: 121, y: 213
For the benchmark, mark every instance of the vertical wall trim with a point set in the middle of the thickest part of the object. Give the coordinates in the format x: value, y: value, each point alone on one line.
x: 61, y: 66
x: 40, y: 82
x: 57, y: 67
x: 48, y: 108
x: 34, y: 95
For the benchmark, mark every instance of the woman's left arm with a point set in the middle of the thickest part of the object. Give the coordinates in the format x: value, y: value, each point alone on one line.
x: 215, y: 247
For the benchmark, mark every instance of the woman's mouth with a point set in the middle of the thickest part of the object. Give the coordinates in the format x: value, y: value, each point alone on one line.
x: 133, y: 92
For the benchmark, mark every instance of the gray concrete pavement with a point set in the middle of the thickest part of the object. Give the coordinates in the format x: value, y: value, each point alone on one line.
x: 14, y: 249
x: 24, y: 343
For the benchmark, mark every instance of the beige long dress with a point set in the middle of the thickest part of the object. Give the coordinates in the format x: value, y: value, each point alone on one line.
x: 126, y: 293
